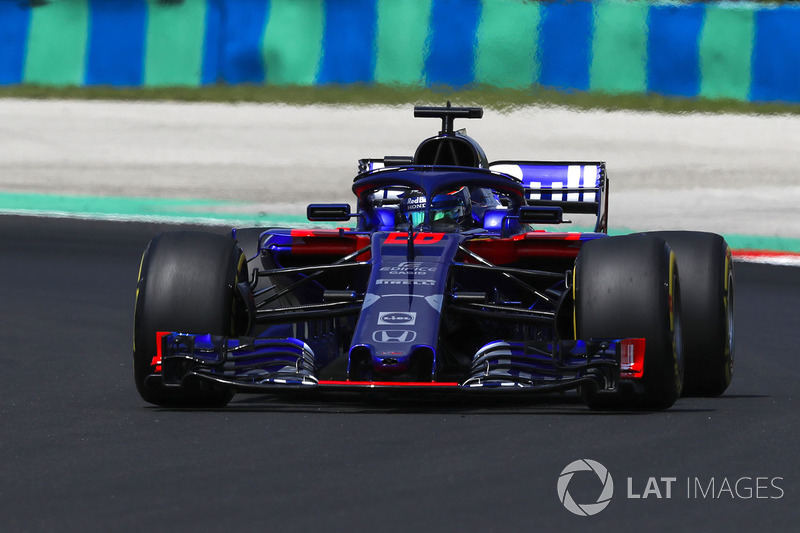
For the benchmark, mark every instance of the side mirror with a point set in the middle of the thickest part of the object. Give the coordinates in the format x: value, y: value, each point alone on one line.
x: 540, y: 215
x: 328, y: 212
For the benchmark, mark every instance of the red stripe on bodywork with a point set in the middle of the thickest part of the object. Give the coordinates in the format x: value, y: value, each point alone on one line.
x: 390, y: 383
x: 327, y: 242
x: 539, y: 235
x: 315, y: 233
x: 511, y: 250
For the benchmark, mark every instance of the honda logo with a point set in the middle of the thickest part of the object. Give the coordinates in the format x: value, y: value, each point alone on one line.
x: 394, y: 335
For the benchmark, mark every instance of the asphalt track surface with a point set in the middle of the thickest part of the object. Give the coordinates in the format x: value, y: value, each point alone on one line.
x: 79, y: 450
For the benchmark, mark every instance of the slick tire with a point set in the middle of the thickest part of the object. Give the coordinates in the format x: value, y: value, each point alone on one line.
x: 628, y: 287
x: 707, y: 284
x: 187, y: 283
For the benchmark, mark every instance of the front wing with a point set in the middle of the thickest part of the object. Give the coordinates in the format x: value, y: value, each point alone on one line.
x: 257, y: 365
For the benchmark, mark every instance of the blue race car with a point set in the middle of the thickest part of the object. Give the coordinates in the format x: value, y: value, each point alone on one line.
x: 444, y: 282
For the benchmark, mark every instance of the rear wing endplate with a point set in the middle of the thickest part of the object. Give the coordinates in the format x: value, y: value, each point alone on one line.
x: 574, y: 186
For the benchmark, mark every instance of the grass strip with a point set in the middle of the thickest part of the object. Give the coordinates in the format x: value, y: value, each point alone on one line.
x: 504, y: 100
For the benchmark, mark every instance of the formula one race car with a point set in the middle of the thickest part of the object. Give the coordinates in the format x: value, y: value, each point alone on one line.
x: 446, y: 283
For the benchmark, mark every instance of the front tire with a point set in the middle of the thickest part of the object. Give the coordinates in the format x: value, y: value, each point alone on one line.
x: 628, y: 287
x: 187, y: 283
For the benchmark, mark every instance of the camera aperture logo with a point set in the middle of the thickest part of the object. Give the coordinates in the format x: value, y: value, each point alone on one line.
x: 585, y: 509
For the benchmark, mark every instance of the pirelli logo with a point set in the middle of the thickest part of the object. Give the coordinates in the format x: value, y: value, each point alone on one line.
x: 425, y: 282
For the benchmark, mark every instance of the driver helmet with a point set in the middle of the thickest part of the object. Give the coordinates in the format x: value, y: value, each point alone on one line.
x: 452, y: 207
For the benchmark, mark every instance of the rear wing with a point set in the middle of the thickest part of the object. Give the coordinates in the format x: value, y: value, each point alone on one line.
x: 579, y: 187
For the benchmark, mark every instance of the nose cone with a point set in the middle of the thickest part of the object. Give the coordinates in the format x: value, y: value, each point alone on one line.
x: 415, y: 365
x: 398, y: 329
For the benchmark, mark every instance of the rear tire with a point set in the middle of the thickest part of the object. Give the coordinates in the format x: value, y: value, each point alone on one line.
x: 187, y: 283
x: 248, y: 239
x: 628, y: 287
x: 707, y: 281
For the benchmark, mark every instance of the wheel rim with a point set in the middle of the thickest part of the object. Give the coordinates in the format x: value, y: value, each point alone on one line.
x: 677, y: 328
x: 729, y: 324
